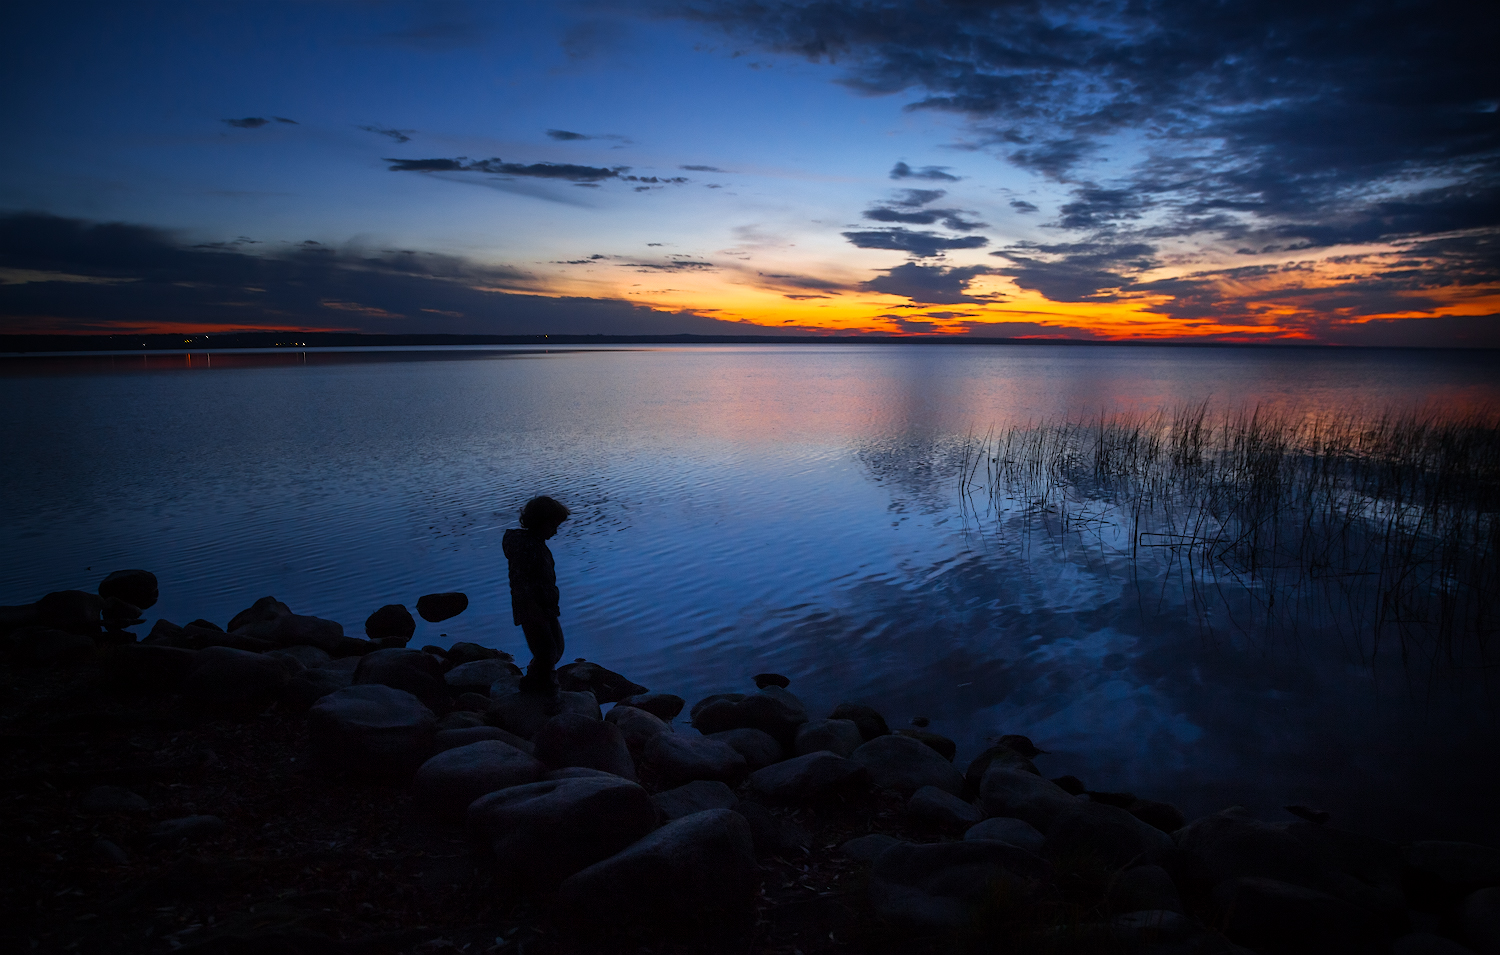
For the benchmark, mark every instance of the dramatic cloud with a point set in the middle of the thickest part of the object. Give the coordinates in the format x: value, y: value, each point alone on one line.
x: 938, y: 173
x: 920, y: 244
x: 495, y: 166
x: 951, y: 218
x: 930, y: 284
x: 1076, y: 272
x: 399, y: 135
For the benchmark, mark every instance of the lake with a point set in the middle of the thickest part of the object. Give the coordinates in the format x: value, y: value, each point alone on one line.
x: 740, y: 509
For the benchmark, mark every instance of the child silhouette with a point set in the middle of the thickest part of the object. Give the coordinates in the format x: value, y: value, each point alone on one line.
x: 533, y: 591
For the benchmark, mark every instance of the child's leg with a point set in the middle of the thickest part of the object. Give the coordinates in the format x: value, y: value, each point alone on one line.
x: 545, y: 641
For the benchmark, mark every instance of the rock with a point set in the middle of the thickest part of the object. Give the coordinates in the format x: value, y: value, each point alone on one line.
x: 772, y: 835
x: 1159, y: 815
x: 411, y: 670
x: 310, y: 686
x: 772, y: 710
x: 50, y: 647
x: 448, y: 782
x: 447, y: 739
x: 465, y: 652
x: 1425, y: 943
x: 393, y: 622
x: 1017, y: 832
x: 906, y: 765
x: 75, y: 611
x: 437, y: 607
x: 200, y: 638
x: 935, y: 805
x: 1148, y: 926
x: 1010, y: 792
x: 14, y: 618
x: 149, y: 668
x: 676, y: 759
x: 841, y: 737
x: 118, y: 614
x: 478, y: 703
x: 1071, y: 785
x: 568, y: 739
x: 815, y: 777
x: 699, y: 869
x: 1450, y: 870
x: 1359, y: 869
x: 543, y: 832
x: 941, y: 745
x: 102, y: 800
x: 372, y: 730
x: 763, y: 680
x: 1144, y: 888
x: 578, y: 772
x: 347, y: 664
x: 271, y: 620
x: 1021, y: 745
x: 995, y: 756
x: 636, y: 725
x: 351, y: 647
x: 663, y: 706
x: 871, y: 724
x: 868, y: 848
x: 136, y: 587
x: 222, y: 679
x: 1118, y: 800
x: 1107, y: 833
x: 1479, y: 921
x: 479, y: 675
x: 524, y: 713
x: 1267, y: 914
x: 202, y: 624
x: 606, y: 685
x: 934, y: 886
x: 110, y: 853
x: 696, y: 796
x: 185, y: 829
x: 1233, y: 844
x: 759, y: 748
x: 309, y: 657
x: 463, y: 719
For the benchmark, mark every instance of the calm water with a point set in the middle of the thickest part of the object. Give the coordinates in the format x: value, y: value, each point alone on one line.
x: 740, y: 509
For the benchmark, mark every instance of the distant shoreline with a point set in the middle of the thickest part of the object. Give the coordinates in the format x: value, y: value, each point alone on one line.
x: 18, y: 345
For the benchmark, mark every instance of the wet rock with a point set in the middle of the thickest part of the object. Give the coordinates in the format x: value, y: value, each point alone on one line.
x: 759, y: 748
x: 465, y: 652
x: 223, y: 679
x: 411, y: 670
x: 438, y: 607
x: 934, y: 886
x: 636, y: 725
x: 698, y: 869
x: 524, y: 713
x: 572, y: 740
x: 185, y: 829
x: 772, y: 710
x: 995, y: 756
x: 676, y: 759
x: 711, y: 699
x: 271, y: 620
x: 1450, y: 870
x: 941, y: 745
x: 372, y: 730
x: 1267, y: 914
x: 906, y: 765
x: 868, y: 848
x: 1107, y: 833
x: 696, y: 796
x: 871, y: 724
x: 1144, y: 888
x: 478, y: 676
x: 47, y: 647
x: 763, y: 680
x: 393, y: 622
x: 1010, y: 792
x: 103, y: 800
x: 1017, y: 832
x: 606, y: 685
x: 543, y: 832
x: 932, y: 804
x: 448, y: 782
x: 772, y: 835
x: 75, y: 611
x: 1159, y: 815
x: 309, y: 657
x: 1479, y: 921
x: 841, y: 737
x: 147, y: 668
x: 135, y: 587
x: 815, y: 777
x: 311, y: 685
x: 663, y: 706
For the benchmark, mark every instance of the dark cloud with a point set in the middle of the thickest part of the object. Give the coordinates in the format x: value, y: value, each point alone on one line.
x: 111, y: 276
x: 781, y: 280
x: 914, y: 198
x: 920, y: 244
x: 951, y: 218
x: 930, y: 284
x: 1077, y: 272
x: 1021, y: 205
x: 495, y: 166
x: 283, y: 119
x: 249, y: 122
x: 703, y: 169
x: 902, y: 171
x: 567, y: 136
x: 674, y: 265
x: 399, y: 135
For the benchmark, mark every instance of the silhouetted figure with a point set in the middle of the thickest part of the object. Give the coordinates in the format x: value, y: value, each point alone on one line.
x: 533, y: 590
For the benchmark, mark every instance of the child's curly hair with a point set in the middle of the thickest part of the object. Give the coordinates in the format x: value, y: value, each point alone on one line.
x: 543, y: 511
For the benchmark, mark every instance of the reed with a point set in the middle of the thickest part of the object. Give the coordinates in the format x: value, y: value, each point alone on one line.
x: 1382, y: 525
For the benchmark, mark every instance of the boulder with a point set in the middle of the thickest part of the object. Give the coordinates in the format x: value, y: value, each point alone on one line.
x: 941, y: 745
x: 104, y: 800
x: 1107, y: 833
x: 773, y: 835
x: 271, y: 620
x: 1017, y: 832
x: 871, y: 724
x: 763, y: 680
x: 577, y: 772
x: 75, y: 611
x: 203, y: 624
x: 1425, y: 943
x: 1233, y: 844
x: 198, y: 638
x: 1479, y: 921
x: 392, y: 622
x: 835, y: 736
x: 462, y: 719
x: 1270, y: 915
x: 310, y: 686
x: 13, y: 618
x: 663, y: 706
x: 568, y: 739
x: 932, y: 804
x: 815, y: 777
x: 906, y: 765
x: 771, y: 710
x: 309, y: 657
x: 1449, y: 870
x: 448, y: 782
x: 996, y: 756
x: 1011, y: 792
x: 675, y: 759
x: 411, y: 670
x: 712, y: 698
x: 118, y: 614
x: 372, y: 730
x: 524, y: 713
x: 447, y: 739
x: 1144, y: 888
x: 1159, y: 815
x: 476, y: 703
x: 438, y: 607
x: 1360, y: 869
x: 465, y: 652
x: 759, y: 748
x: 699, y: 869
x: 185, y: 829
x: 606, y: 685
x: 636, y: 725
x: 149, y: 668
x: 696, y: 796
x: 478, y: 676
x: 136, y: 587
x: 223, y: 680
x: 1155, y: 930
x: 543, y: 832
x: 935, y: 886
x: 868, y: 848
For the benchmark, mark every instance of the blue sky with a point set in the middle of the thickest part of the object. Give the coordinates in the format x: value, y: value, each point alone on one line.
x: 1233, y: 172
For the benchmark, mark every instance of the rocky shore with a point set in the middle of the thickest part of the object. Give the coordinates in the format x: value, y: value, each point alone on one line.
x: 274, y: 784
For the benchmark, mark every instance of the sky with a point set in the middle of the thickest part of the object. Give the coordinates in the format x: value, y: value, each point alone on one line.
x: 1172, y: 170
